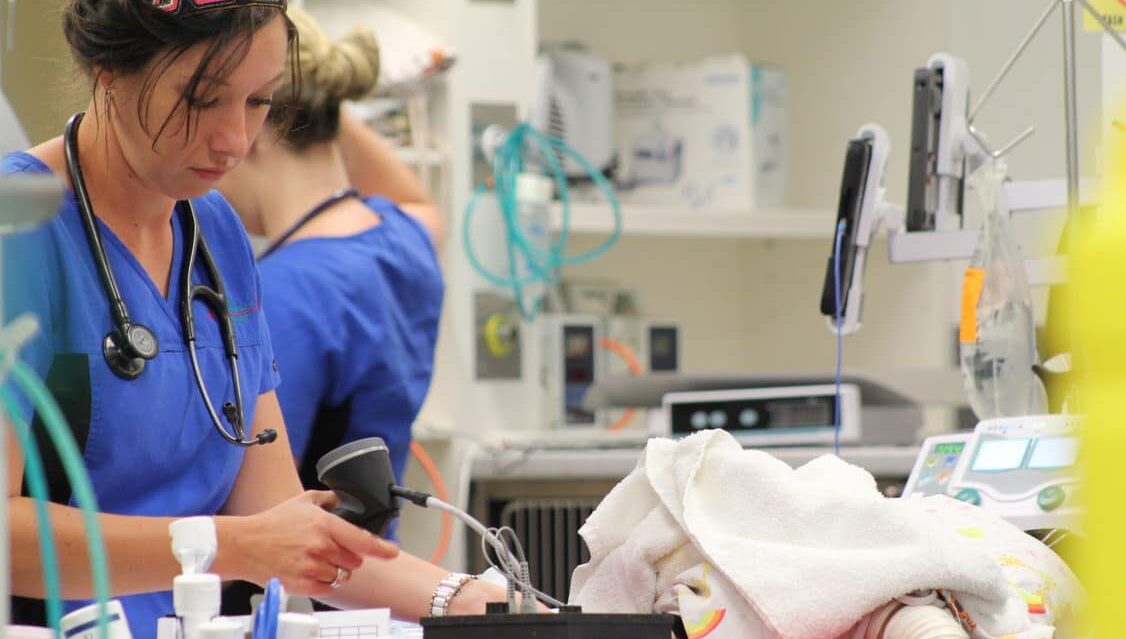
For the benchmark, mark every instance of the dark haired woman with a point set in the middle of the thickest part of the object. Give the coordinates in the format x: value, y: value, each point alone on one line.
x: 180, y: 90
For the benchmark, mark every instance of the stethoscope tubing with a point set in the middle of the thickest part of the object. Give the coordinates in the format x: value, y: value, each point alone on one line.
x: 213, y: 296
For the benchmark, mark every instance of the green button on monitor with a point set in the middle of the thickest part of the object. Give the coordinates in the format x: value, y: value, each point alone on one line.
x: 1050, y: 498
x: 969, y: 495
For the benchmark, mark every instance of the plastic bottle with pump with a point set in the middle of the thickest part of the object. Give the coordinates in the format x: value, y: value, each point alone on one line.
x: 997, y: 336
x: 197, y: 594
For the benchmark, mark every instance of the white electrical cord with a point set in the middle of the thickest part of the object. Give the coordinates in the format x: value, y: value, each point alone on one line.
x: 511, y: 564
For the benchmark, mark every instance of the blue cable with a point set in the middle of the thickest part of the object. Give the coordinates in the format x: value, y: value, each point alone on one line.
x: 521, y: 251
x: 841, y: 226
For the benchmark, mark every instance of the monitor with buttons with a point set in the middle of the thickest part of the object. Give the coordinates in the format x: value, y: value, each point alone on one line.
x: 1022, y: 468
x: 938, y: 456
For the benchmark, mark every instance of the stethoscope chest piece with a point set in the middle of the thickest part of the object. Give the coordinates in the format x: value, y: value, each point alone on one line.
x: 127, y: 351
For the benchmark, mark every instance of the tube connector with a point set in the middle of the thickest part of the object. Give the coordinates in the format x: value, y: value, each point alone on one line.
x: 196, y: 599
x: 194, y: 543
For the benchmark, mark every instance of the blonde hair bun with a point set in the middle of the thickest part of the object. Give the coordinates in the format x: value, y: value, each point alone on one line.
x: 347, y: 69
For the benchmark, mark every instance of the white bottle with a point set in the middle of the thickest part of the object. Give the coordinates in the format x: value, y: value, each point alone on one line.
x: 533, y: 206
x: 196, y: 594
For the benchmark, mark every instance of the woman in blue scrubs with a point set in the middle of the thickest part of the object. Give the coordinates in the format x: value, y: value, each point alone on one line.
x: 351, y: 285
x: 180, y: 89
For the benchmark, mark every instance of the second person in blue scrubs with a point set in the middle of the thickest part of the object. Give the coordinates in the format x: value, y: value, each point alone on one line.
x: 352, y: 288
x: 178, y: 97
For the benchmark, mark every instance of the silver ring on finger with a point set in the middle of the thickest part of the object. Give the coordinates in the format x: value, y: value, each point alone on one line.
x: 342, y: 577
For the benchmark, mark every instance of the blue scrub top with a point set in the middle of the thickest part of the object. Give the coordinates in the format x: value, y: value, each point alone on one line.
x: 354, y: 321
x: 151, y: 448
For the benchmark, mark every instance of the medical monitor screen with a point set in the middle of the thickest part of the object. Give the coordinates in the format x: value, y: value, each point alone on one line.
x: 995, y: 455
x: 1054, y: 452
x: 798, y: 413
x: 854, y: 178
x: 949, y: 448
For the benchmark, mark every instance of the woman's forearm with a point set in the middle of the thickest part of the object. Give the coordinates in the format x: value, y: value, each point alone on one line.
x: 406, y: 585
x: 138, y: 549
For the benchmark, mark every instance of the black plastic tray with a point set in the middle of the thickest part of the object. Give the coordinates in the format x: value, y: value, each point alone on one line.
x: 565, y: 625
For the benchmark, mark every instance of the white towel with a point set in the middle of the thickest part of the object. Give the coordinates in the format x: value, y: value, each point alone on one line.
x: 799, y: 554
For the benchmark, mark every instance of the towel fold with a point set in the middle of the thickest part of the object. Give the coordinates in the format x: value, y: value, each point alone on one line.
x: 736, y: 540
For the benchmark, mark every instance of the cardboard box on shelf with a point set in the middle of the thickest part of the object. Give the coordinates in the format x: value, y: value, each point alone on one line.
x: 701, y: 135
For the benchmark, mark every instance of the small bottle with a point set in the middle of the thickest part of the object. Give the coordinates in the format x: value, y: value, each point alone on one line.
x: 534, y: 193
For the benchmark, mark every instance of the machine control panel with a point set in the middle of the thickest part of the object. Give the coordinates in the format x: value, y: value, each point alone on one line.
x: 938, y: 457
x: 1021, y: 468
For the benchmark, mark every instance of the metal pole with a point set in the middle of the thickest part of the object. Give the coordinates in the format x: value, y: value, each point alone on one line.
x: 1012, y: 60
x: 1070, y: 108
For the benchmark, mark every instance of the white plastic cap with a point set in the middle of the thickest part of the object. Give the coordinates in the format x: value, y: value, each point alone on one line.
x: 222, y: 628
x: 83, y: 623
x: 292, y: 625
x: 197, y: 596
x: 533, y: 188
x: 194, y: 543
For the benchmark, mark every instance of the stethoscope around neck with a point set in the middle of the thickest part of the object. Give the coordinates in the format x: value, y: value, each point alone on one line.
x: 130, y: 345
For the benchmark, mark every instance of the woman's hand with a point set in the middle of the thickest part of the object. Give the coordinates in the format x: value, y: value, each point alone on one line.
x: 301, y: 543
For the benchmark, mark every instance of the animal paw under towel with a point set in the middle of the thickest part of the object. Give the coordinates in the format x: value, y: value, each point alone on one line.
x: 741, y: 545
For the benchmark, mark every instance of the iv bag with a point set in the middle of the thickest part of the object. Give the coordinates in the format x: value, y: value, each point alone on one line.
x: 997, y: 336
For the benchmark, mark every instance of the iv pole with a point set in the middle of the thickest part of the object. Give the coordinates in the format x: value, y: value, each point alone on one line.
x: 1071, y: 127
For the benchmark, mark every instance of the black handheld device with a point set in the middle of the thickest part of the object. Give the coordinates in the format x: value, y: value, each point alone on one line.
x: 360, y: 474
x: 854, y: 180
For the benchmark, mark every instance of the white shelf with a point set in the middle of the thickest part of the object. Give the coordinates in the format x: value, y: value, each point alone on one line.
x: 668, y: 221
x: 613, y: 464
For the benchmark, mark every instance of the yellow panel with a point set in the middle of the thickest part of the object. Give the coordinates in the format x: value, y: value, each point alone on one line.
x: 1113, y: 10
x: 1100, y: 305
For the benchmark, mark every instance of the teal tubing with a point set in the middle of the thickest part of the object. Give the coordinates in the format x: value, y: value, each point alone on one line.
x: 49, y: 412
x: 521, y: 251
x: 37, y: 485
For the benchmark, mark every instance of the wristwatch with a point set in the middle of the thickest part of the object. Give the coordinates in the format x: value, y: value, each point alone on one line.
x: 447, y: 590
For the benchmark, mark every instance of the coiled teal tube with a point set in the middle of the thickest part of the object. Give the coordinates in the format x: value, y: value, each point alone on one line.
x: 541, y: 266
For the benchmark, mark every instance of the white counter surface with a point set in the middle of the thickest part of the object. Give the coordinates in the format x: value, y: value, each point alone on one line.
x: 589, y: 462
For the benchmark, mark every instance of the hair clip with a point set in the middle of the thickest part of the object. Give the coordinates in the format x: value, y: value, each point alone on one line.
x: 185, y: 8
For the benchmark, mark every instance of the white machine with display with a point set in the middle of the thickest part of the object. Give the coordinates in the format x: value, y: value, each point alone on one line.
x: 782, y: 416
x: 1021, y: 468
x: 777, y: 411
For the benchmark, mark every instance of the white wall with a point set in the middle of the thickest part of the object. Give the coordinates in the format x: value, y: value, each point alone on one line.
x: 985, y: 35
x: 752, y: 304
x: 645, y: 30
x: 847, y: 63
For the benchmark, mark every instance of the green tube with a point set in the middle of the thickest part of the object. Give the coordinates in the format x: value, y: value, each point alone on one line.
x: 37, y: 484
x: 52, y: 416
